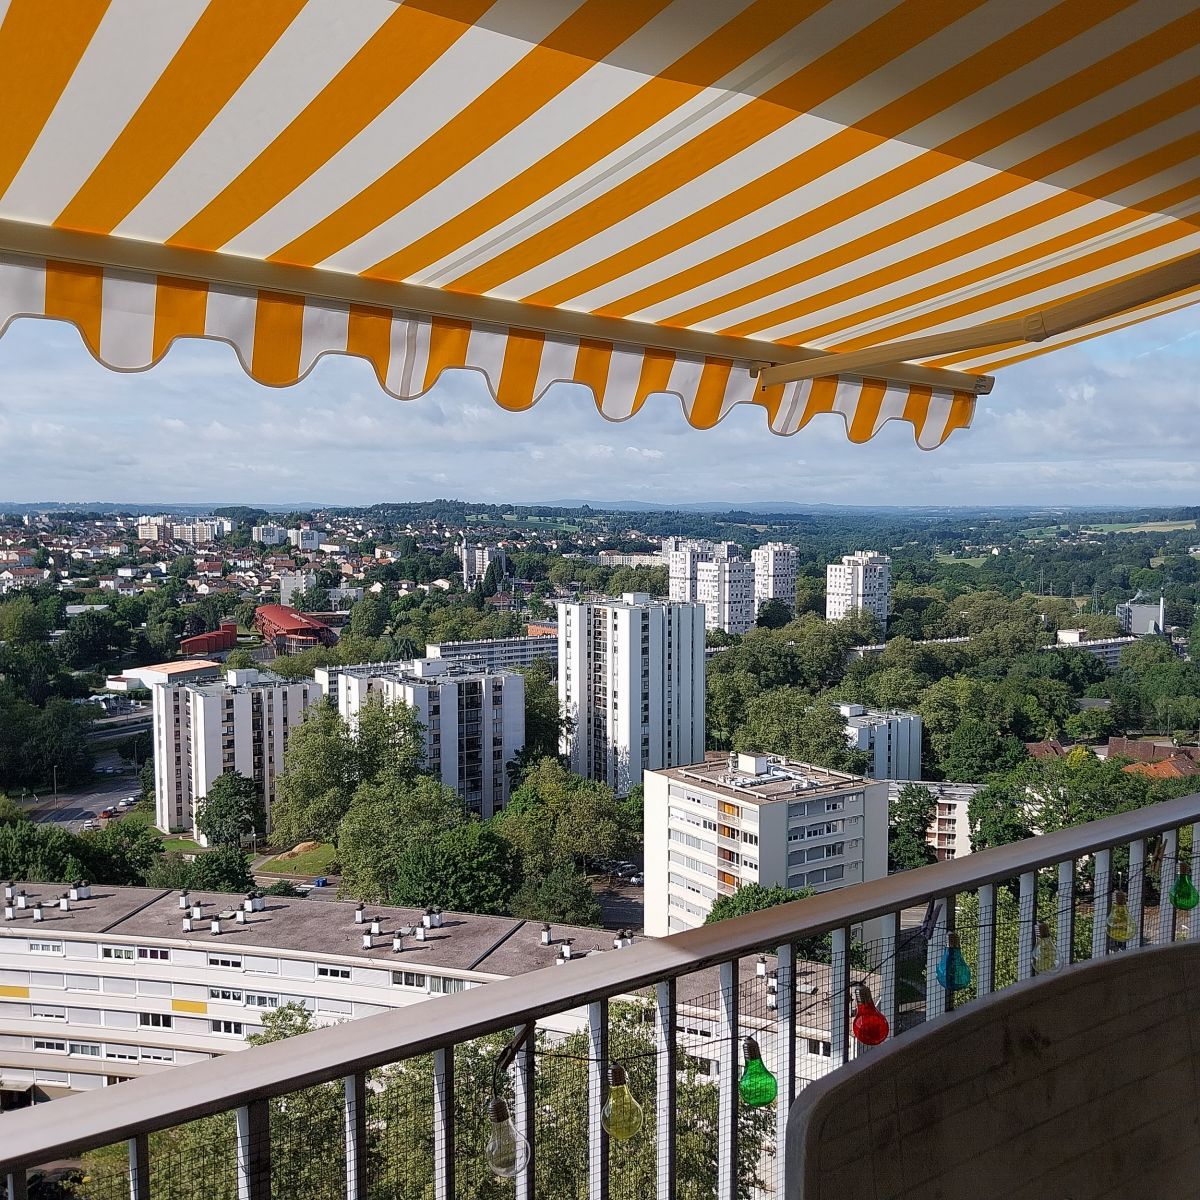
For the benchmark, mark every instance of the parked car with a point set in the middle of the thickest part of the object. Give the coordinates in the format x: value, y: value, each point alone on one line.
x: 636, y: 880
x: 108, y: 813
x: 128, y: 802
x: 89, y: 825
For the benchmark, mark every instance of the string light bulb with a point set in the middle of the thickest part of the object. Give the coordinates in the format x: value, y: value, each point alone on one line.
x: 1184, y: 894
x: 870, y: 1026
x: 757, y: 1087
x: 1045, y: 953
x: 621, y: 1115
x: 1120, y: 922
x: 507, y: 1152
x: 952, y: 971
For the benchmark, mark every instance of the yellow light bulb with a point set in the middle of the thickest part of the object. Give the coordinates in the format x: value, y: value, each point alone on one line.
x: 621, y: 1115
x: 1045, y: 956
x: 1120, y: 921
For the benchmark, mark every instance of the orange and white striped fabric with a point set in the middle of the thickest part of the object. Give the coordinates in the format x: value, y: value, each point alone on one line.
x: 820, y: 173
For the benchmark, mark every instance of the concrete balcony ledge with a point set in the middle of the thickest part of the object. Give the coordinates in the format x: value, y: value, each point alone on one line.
x: 1082, y: 1085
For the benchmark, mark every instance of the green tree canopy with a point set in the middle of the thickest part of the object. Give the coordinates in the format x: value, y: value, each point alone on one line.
x: 231, y: 810
x: 911, y: 814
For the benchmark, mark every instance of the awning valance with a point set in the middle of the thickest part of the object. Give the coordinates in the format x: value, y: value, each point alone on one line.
x: 641, y: 196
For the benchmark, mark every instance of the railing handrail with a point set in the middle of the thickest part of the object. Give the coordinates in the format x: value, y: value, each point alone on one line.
x: 91, y: 1119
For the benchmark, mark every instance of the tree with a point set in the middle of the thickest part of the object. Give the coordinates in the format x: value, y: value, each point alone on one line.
x: 976, y: 751
x: 239, y: 659
x: 753, y: 897
x: 545, y: 722
x: 231, y: 810
x: 911, y: 814
x: 319, y: 776
x: 369, y: 617
x: 11, y: 813
x: 562, y: 894
x: 787, y: 721
x: 225, y: 869
x: 468, y: 868
x: 773, y: 614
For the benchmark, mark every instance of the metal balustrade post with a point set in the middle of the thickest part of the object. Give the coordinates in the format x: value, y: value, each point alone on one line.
x: 1166, y: 910
x: 839, y: 997
x: 139, y: 1167
x: 1136, y: 891
x: 1101, y: 885
x: 354, y: 1090
x: 936, y: 996
x: 985, y: 969
x: 1065, y: 931
x: 254, y: 1151
x: 525, y: 1109
x: 888, y: 974
x: 1196, y: 851
x: 665, y: 1089
x: 727, y: 1084
x: 1026, y: 924
x: 16, y: 1189
x: 785, y: 1057
x: 443, y: 1123
x: 597, y: 1068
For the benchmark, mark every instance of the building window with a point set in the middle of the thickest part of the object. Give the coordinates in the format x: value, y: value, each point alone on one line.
x: 158, y: 1056
x: 88, y: 1049
x: 120, y: 1052
x: 225, y: 960
x: 819, y: 1048
x: 231, y: 994
x: 154, y: 954
x: 446, y: 987
x: 410, y: 979
x: 260, y: 1000
x: 326, y: 972
x: 155, y: 1020
x: 49, y: 1012
x: 230, y: 1027
x: 53, y: 1047
x: 45, y: 947
x: 122, y: 952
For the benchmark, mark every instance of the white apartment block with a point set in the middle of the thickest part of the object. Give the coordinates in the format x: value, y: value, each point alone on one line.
x: 860, y: 582
x: 1141, y: 617
x: 618, y: 558
x: 476, y: 559
x: 304, y: 538
x: 631, y: 678
x: 499, y: 654
x: 775, y: 570
x: 736, y: 819
x: 725, y: 586
x: 154, y: 529
x: 202, y: 533
x: 892, y: 739
x: 291, y: 582
x: 474, y: 720
x: 684, y: 555
x: 203, y: 730
x: 269, y: 535
x: 1107, y: 650
x: 949, y: 832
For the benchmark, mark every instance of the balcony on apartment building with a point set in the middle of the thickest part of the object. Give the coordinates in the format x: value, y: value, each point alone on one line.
x: 410, y: 1098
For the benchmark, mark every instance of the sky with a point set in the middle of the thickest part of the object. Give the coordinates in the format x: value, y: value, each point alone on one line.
x: 1112, y: 421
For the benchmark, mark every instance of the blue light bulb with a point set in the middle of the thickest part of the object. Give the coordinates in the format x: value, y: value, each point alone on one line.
x: 952, y: 972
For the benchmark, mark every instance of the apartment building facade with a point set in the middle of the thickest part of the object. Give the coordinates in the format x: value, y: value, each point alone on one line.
x: 631, y: 678
x: 304, y: 538
x: 892, y: 739
x: 499, y: 654
x: 776, y: 565
x: 725, y: 586
x: 861, y: 582
x: 476, y: 558
x: 474, y: 720
x: 736, y: 819
x: 203, y: 730
x: 268, y: 535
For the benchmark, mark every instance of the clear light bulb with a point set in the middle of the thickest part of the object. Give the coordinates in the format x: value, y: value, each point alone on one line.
x: 1184, y: 894
x: 507, y: 1152
x: 870, y: 1026
x: 1120, y: 922
x: 1045, y: 953
x: 621, y: 1115
x: 757, y: 1085
x: 952, y: 972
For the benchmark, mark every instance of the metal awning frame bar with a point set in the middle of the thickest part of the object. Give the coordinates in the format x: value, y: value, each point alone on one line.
x: 1110, y: 301
x: 153, y: 258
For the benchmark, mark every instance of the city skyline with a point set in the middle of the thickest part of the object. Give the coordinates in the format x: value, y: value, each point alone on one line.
x: 1100, y: 423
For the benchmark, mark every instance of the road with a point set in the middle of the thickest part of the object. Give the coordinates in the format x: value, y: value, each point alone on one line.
x: 77, y: 805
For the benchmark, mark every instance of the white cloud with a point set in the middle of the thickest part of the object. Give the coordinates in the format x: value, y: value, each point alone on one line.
x: 1111, y: 421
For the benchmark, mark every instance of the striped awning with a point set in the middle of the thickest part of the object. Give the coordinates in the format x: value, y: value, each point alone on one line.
x: 852, y: 207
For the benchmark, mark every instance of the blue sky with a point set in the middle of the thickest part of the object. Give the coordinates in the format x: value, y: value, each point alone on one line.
x: 1111, y: 421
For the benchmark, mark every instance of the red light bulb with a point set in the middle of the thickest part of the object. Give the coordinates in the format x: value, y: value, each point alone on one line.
x: 870, y: 1025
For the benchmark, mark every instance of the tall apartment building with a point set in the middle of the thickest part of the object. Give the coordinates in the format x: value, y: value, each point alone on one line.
x: 499, y: 654
x: 474, y: 720
x: 291, y: 582
x: 1143, y: 616
x: 860, y: 582
x: 619, y: 558
x: 736, y: 819
x: 202, y: 532
x: 631, y: 678
x: 304, y: 538
x: 268, y: 535
x: 892, y: 739
x: 203, y: 730
x: 775, y: 569
x: 154, y: 529
x: 476, y: 559
x: 725, y: 586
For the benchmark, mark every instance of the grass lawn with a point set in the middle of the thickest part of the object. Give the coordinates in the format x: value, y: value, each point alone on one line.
x: 977, y: 561
x: 1144, y: 527
x: 311, y: 862
x: 182, y: 845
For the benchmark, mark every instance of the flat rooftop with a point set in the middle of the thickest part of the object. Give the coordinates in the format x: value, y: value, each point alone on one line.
x: 783, y: 779
x: 498, y: 946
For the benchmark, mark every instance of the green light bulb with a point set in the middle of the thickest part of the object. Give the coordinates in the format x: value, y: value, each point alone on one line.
x: 757, y: 1086
x: 1045, y: 955
x: 621, y: 1115
x: 952, y: 972
x: 1184, y: 894
x: 1120, y: 923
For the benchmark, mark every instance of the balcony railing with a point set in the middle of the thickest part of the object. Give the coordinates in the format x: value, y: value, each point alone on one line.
x: 782, y: 975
